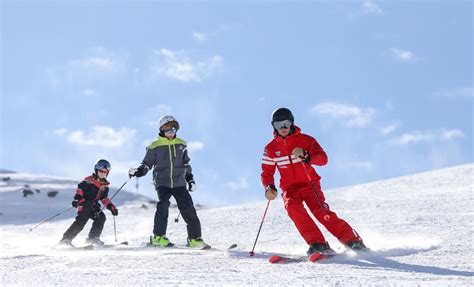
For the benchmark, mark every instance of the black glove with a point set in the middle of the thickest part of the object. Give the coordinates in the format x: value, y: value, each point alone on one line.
x: 138, y: 172
x: 78, y: 199
x: 191, y: 182
x: 191, y: 185
x: 112, y: 209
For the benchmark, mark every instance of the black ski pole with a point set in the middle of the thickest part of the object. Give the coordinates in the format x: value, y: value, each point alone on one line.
x: 261, y: 224
x: 49, y: 218
x: 177, y: 217
x: 120, y: 188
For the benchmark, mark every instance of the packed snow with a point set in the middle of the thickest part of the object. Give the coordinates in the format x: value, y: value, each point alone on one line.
x: 419, y: 228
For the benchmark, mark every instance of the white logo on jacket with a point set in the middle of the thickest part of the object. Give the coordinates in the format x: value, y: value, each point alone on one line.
x: 277, y: 153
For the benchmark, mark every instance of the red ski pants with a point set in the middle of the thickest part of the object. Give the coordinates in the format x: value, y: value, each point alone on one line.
x: 294, y: 197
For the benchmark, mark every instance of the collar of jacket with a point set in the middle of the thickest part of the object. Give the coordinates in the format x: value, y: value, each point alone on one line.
x: 94, y: 179
x: 278, y: 138
x: 164, y: 141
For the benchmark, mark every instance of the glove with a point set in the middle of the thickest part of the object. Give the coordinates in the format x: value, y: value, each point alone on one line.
x: 78, y: 200
x: 302, y: 154
x: 271, y: 192
x: 112, y: 209
x: 191, y: 185
x: 138, y: 172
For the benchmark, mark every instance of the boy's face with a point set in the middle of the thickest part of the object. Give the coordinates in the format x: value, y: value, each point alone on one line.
x: 170, y: 136
x: 102, y: 173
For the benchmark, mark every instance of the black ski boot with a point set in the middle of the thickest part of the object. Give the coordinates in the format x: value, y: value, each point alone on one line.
x: 322, y: 248
x: 357, y: 246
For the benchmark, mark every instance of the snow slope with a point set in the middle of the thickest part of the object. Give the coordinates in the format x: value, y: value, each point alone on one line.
x: 39, y: 203
x: 419, y: 227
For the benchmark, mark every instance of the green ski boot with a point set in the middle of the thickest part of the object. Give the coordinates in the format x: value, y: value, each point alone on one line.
x: 197, y: 243
x: 160, y: 241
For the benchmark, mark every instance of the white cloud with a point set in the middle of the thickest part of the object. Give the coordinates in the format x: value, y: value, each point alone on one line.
x: 89, y: 92
x: 195, y: 146
x: 370, y: 7
x: 200, y: 37
x: 414, y: 137
x: 96, y: 63
x: 241, y: 183
x: 458, y: 93
x: 349, y: 115
x: 452, y: 134
x: 99, y: 60
x: 179, y: 66
x: 427, y: 136
x: 101, y: 136
x: 390, y: 129
x: 403, y: 55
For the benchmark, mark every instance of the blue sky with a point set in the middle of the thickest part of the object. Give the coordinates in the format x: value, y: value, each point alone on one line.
x: 385, y: 87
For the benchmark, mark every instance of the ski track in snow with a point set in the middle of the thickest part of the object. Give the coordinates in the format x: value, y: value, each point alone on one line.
x: 420, y: 228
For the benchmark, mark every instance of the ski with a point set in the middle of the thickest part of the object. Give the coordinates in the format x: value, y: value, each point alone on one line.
x: 320, y: 257
x: 315, y: 257
x: 85, y: 247
x: 278, y: 259
x: 111, y: 245
x: 74, y: 247
x: 207, y: 247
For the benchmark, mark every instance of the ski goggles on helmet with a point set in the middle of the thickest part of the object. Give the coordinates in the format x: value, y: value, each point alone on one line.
x: 103, y: 165
x: 169, y: 126
x: 282, y: 124
x: 173, y: 130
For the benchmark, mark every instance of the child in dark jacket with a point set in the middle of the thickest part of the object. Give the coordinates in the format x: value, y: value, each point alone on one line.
x: 88, y: 193
x: 168, y: 157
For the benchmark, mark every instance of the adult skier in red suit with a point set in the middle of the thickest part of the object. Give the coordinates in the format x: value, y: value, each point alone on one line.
x: 294, y: 153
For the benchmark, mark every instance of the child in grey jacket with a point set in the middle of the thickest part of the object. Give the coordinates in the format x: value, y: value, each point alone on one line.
x: 168, y: 157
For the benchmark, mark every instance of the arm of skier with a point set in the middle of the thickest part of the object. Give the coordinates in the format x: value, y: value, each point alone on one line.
x: 317, y: 154
x: 145, y: 166
x: 107, y: 202
x: 268, y: 181
x: 188, y: 171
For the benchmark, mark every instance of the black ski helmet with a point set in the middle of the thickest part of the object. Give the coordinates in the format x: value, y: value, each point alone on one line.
x: 102, y: 164
x: 282, y: 114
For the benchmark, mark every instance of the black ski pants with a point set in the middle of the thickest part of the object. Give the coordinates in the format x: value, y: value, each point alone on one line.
x: 185, y: 206
x: 88, y: 212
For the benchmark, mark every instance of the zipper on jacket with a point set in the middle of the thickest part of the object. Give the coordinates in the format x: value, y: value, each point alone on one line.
x: 171, y: 164
x: 291, y: 161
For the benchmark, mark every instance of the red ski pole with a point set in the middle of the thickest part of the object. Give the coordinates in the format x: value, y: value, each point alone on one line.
x: 261, y: 224
x: 326, y: 216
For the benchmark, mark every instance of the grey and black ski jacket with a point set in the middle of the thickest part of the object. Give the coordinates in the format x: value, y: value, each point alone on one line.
x: 170, y: 162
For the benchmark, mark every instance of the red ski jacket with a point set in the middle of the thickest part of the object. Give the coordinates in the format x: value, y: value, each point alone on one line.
x: 292, y: 170
x: 93, y: 189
